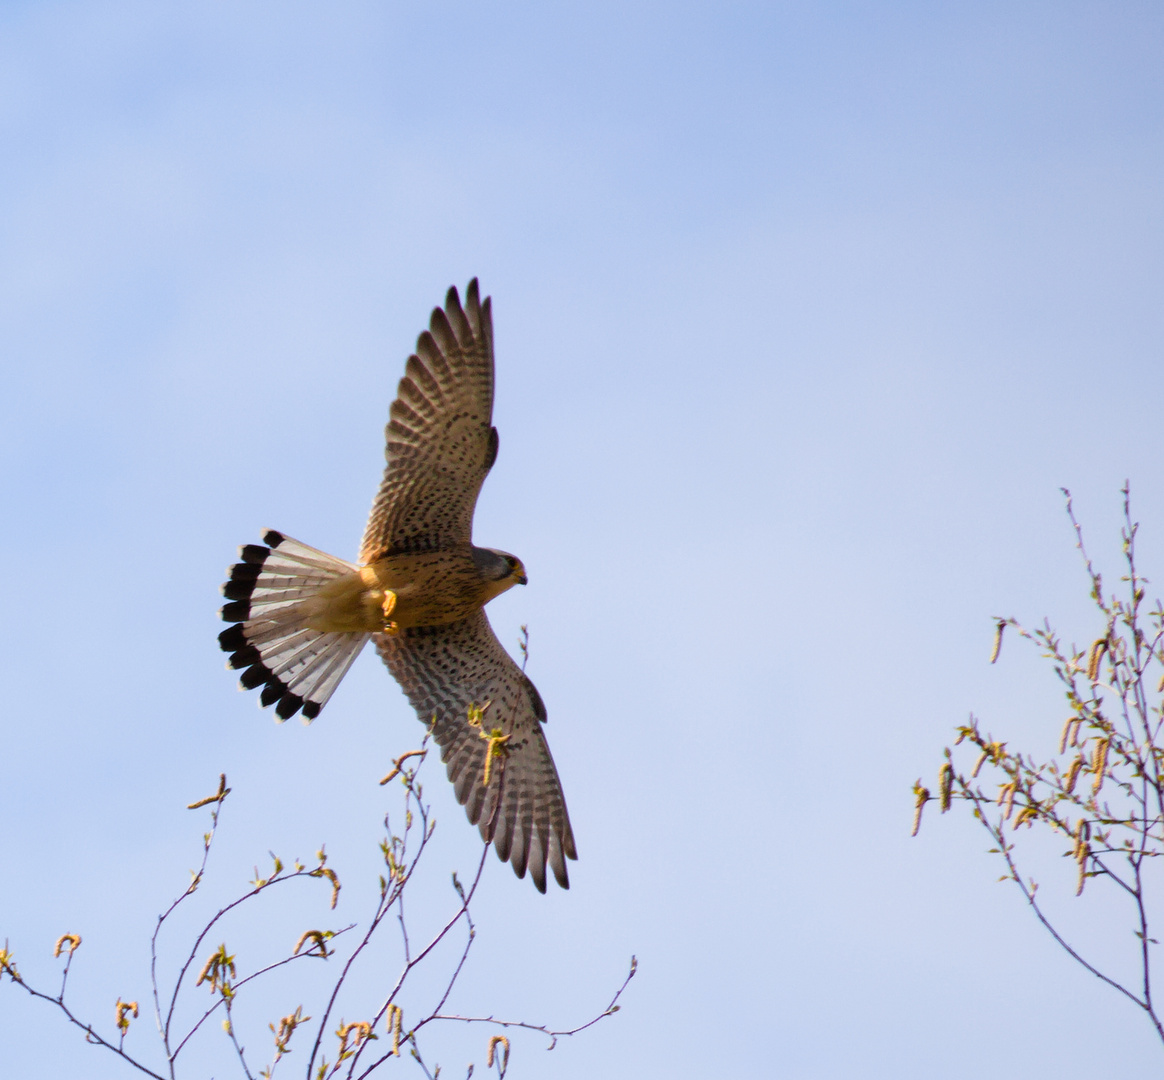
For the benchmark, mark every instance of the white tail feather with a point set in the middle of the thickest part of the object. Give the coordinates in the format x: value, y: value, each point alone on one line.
x: 297, y: 667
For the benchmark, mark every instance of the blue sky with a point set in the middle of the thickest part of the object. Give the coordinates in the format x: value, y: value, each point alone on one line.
x: 804, y: 313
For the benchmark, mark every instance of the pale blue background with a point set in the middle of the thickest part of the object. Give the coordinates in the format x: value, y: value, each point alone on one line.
x: 804, y: 312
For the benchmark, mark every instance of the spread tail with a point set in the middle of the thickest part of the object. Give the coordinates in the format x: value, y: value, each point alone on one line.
x: 297, y: 667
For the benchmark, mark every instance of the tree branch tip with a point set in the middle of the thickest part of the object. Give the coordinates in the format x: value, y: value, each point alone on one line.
x: 222, y: 792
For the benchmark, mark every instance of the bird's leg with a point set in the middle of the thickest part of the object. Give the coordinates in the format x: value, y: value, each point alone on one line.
x: 386, y: 608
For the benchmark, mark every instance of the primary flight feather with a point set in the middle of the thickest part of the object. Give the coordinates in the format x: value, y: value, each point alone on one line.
x: 419, y: 589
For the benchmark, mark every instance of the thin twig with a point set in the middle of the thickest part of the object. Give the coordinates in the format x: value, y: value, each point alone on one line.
x: 543, y: 1028
x: 242, y: 982
x: 90, y: 1035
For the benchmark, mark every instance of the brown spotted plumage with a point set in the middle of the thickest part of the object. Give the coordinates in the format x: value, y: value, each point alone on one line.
x: 441, y: 439
x: 444, y: 670
x: 301, y: 616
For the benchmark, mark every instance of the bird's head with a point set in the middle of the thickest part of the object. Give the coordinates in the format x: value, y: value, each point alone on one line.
x: 499, y: 568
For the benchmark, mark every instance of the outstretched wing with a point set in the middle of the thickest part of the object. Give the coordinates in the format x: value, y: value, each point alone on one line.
x: 446, y: 669
x: 441, y: 439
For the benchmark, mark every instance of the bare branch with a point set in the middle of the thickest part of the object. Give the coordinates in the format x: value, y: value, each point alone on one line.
x: 1109, y: 748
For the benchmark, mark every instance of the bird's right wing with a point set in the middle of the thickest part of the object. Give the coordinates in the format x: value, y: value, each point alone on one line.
x: 445, y: 670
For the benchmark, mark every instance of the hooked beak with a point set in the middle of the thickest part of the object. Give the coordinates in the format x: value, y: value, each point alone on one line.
x: 522, y: 579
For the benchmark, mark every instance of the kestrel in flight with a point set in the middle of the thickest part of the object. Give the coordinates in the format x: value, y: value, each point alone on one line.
x: 419, y: 590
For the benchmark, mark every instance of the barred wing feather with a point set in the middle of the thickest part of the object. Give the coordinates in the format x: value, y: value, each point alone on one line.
x: 446, y: 669
x: 441, y: 442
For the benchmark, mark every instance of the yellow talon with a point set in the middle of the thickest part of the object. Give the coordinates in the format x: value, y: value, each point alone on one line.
x: 386, y: 608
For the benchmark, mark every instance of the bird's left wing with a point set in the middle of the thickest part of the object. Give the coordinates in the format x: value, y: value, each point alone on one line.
x: 441, y: 442
x: 445, y: 671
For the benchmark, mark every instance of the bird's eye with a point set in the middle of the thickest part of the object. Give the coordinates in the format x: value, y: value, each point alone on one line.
x: 512, y: 562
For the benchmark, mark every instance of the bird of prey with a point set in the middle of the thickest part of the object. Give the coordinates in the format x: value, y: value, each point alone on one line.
x: 418, y: 591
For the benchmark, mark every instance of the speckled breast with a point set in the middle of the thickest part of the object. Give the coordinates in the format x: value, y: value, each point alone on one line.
x: 432, y: 588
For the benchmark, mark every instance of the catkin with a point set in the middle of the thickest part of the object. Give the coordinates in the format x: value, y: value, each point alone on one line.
x: 1095, y: 659
x: 1084, y: 852
x: 997, y: 640
x: 1073, y: 774
x: 1099, y: 766
x: 923, y: 796
x: 395, y: 1017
